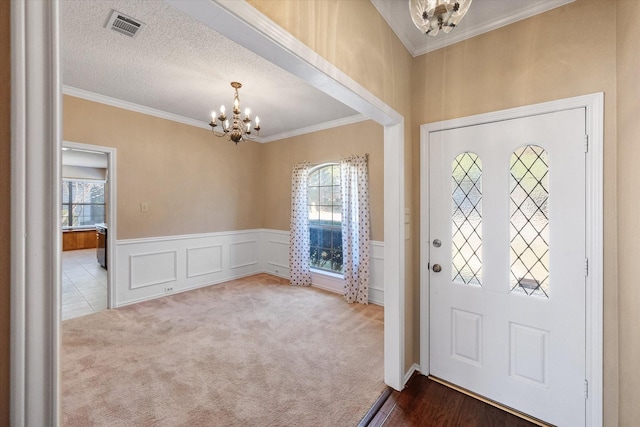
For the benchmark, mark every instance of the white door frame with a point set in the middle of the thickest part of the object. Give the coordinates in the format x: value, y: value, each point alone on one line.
x: 36, y: 108
x: 112, y: 210
x: 594, y: 105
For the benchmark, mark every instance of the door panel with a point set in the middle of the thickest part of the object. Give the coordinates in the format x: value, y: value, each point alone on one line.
x: 508, y: 317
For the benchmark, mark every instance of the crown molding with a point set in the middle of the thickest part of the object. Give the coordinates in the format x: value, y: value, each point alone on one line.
x: 403, y: 30
x: 114, y: 102
x: 454, y: 37
x: 315, y: 128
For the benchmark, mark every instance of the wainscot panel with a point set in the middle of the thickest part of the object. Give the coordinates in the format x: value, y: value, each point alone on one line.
x: 153, y: 267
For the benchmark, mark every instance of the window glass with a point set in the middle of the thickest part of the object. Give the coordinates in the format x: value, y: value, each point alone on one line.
x: 529, y: 224
x: 325, y: 218
x: 82, y: 203
x: 466, y: 224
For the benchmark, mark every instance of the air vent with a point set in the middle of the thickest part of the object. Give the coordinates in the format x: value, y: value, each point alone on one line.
x: 124, y: 24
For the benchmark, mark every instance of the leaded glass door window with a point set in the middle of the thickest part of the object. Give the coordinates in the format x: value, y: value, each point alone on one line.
x: 529, y: 221
x: 466, y: 221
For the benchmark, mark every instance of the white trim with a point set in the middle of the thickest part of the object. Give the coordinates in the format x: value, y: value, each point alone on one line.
x: 36, y: 232
x: 126, y: 105
x: 409, y: 373
x: 204, y: 273
x: 425, y: 252
x: 242, y: 23
x: 356, y: 118
x: 327, y: 281
x: 112, y: 210
x: 394, y: 259
x: 173, y: 278
x: 189, y: 236
x: 594, y: 105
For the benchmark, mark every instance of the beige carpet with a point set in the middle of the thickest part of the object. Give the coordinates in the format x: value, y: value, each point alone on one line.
x: 251, y: 352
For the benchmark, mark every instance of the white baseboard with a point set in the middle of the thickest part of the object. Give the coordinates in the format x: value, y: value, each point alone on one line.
x: 407, y: 376
x: 153, y: 267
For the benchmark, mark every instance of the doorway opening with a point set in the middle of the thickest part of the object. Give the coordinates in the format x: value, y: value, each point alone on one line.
x: 36, y: 171
x: 88, y: 220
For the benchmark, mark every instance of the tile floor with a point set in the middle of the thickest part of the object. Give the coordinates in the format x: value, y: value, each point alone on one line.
x: 84, y: 284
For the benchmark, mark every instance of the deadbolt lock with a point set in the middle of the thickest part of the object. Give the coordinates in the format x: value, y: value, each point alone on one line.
x: 437, y: 243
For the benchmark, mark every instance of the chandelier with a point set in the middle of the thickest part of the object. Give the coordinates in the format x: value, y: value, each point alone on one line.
x: 431, y: 16
x: 239, y: 128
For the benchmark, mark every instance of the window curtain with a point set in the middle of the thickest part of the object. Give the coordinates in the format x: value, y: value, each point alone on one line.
x: 299, y: 263
x: 354, y: 178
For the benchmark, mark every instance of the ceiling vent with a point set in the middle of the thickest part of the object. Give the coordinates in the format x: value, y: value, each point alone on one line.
x: 124, y: 24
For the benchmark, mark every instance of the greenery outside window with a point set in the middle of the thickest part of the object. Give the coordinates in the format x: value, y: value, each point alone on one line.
x: 82, y: 203
x: 325, y: 218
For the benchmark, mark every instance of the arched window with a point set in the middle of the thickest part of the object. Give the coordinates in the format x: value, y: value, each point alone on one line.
x: 325, y: 217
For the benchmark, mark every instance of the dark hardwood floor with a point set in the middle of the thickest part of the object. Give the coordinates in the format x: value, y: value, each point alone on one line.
x: 427, y: 403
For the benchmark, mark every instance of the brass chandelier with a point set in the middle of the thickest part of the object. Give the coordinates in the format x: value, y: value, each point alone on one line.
x: 239, y: 128
x: 433, y: 16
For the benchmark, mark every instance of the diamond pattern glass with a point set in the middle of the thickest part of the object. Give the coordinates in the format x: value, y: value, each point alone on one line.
x: 529, y: 222
x: 466, y: 237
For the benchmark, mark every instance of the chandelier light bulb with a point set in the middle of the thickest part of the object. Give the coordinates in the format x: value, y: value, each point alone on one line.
x: 222, y: 110
x: 247, y: 111
x: 257, y: 121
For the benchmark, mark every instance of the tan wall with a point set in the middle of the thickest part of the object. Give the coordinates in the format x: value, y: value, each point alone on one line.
x: 551, y: 56
x: 355, y: 38
x: 5, y: 208
x: 321, y: 147
x: 192, y: 181
x: 628, y: 72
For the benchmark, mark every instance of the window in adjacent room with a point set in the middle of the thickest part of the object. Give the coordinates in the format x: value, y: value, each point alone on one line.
x: 325, y: 218
x: 82, y: 203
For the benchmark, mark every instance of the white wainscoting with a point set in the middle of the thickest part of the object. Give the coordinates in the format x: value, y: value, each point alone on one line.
x: 276, y: 262
x: 152, y: 267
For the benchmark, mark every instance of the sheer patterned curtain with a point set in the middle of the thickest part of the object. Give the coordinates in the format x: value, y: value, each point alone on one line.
x: 299, y: 264
x: 354, y: 178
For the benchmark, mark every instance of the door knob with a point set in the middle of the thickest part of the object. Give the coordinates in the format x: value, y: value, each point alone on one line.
x: 436, y: 268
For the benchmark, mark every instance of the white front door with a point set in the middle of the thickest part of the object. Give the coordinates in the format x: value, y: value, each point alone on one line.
x: 507, y: 278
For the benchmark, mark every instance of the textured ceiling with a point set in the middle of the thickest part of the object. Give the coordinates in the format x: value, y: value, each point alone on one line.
x: 482, y: 16
x: 180, y: 66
